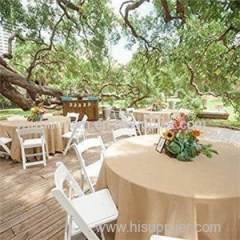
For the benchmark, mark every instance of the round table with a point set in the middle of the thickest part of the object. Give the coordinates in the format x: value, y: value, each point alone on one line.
x: 54, y: 127
x: 165, y: 114
x: 154, y: 193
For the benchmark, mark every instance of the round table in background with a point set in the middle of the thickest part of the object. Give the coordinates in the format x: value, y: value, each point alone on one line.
x: 156, y: 193
x: 165, y: 114
x: 54, y: 127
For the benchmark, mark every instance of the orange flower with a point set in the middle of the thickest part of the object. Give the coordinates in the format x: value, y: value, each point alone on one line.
x: 196, y: 132
x: 182, y: 115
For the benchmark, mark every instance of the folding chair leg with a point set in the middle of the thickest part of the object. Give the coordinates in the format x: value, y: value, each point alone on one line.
x: 24, y: 160
x: 82, y: 181
x: 47, y: 152
x: 44, y: 155
x: 6, y: 149
x: 67, y: 147
x: 66, y: 230
x: 102, y: 234
x: 138, y: 129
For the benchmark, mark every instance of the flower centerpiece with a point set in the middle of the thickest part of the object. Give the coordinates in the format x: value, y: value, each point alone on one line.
x: 158, y: 104
x: 36, y: 113
x: 182, y: 141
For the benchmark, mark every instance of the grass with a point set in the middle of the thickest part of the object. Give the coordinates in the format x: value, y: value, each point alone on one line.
x: 11, y: 112
x: 211, y: 105
x: 232, y: 122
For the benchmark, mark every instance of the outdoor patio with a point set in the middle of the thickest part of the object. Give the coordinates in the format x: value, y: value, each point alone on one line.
x: 28, y: 209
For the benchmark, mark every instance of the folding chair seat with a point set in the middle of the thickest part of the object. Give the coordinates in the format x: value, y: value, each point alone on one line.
x: 32, y: 138
x: 84, y: 212
x: 76, y: 134
x: 92, y: 170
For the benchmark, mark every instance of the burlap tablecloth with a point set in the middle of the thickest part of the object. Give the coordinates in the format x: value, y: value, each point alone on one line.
x: 198, y: 200
x: 54, y: 127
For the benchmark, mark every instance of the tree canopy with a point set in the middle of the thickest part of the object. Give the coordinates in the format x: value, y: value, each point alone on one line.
x: 185, y: 48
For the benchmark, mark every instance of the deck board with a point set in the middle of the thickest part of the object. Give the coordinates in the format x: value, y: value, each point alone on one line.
x: 28, y: 210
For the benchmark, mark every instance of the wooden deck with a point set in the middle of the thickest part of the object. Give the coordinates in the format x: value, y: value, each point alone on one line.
x: 28, y: 210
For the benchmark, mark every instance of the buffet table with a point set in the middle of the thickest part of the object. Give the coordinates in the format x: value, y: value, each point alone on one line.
x: 54, y: 127
x: 154, y: 193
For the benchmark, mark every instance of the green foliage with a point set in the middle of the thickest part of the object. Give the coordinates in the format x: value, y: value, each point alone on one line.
x: 4, y: 102
x: 76, y: 58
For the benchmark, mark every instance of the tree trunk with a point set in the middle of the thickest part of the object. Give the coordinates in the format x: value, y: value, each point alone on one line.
x: 9, y: 83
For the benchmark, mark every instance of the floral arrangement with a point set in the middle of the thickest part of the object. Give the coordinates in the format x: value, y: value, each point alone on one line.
x: 36, y: 113
x: 182, y: 142
x: 158, y: 104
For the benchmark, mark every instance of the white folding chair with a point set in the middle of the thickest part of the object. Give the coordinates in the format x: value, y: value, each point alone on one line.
x: 84, y: 212
x: 138, y: 124
x: 152, y: 123
x: 131, y: 121
x: 130, y: 132
x: 3, y: 143
x: 158, y: 237
x: 76, y: 134
x: 130, y: 110
x: 32, y: 138
x: 92, y: 170
x: 15, y: 118
x: 74, y: 118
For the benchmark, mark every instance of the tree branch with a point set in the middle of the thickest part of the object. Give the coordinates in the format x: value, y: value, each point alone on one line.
x: 48, y: 48
x: 19, y: 80
x: 71, y: 5
x: 195, y: 86
x: 10, y: 92
x: 132, y: 5
x: 167, y: 12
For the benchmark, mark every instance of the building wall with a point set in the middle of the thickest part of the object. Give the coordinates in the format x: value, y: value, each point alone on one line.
x: 4, y: 35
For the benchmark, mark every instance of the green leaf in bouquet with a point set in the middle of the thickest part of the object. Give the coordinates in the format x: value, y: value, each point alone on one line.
x: 183, y: 156
x: 180, y: 143
x: 174, y: 148
x: 207, y: 150
x: 190, y: 151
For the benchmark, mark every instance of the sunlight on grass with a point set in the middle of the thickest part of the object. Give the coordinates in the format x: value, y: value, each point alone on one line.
x: 4, y: 113
x: 10, y: 112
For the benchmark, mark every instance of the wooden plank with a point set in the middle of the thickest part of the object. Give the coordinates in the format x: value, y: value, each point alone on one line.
x: 28, y: 209
x: 39, y: 227
x: 50, y: 231
x: 33, y: 220
x: 7, y: 235
x: 58, y: 236
x: 6, y: 225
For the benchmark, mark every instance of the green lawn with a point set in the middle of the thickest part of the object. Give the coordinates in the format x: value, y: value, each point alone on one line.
x: 231, y: 122
x: 211, y: 105
x: 17, y: 111
x: 212, y: 102
x: 10, y: 112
